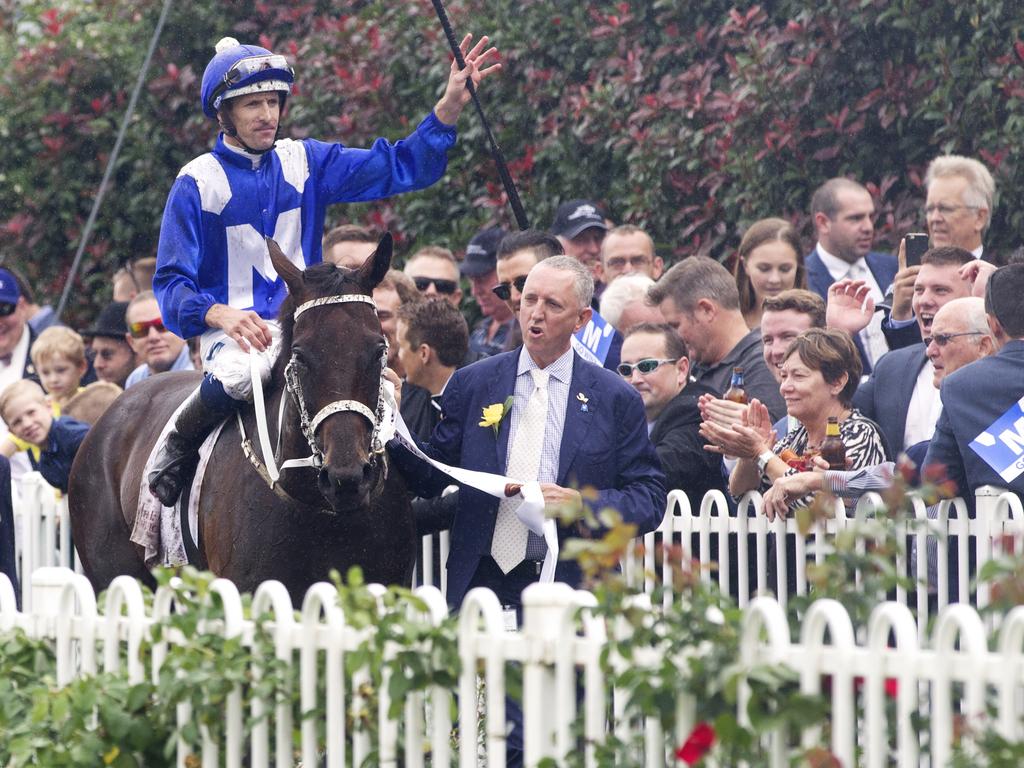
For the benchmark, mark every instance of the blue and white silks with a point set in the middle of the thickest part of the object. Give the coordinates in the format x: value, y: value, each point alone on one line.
x: 221, y: 208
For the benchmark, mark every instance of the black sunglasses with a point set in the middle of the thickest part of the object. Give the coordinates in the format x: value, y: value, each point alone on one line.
x: 942, y: 339
x: 447, y: 287
x: 7, y: 309
x: 504, y: 290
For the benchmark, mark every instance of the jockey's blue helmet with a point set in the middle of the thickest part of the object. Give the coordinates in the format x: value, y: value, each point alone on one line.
x: 237, y: 69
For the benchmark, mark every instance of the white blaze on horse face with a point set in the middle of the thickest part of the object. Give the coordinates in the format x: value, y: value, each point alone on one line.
x: 247, y: 252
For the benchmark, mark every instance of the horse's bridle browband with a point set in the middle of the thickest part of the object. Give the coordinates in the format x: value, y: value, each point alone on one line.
x: 309, y: 426
x: 294, y: 386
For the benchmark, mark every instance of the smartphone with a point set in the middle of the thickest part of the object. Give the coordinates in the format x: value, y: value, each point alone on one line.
x: 916, y: 245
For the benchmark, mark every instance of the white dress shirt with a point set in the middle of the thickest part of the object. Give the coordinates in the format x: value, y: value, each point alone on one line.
x: 924, y: 408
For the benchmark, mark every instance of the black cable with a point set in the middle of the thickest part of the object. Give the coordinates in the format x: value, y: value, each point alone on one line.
x: 90, y: 223
x: 496, y: 153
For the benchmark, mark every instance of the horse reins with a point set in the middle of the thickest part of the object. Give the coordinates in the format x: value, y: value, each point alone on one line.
x: 268, y: 469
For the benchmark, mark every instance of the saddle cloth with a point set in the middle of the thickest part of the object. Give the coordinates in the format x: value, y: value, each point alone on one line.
x: 157, y: 528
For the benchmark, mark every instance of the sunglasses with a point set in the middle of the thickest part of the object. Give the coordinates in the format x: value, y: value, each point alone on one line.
x: 446, y: 287
x: 140, y: 330
x: 7, y: 309
x: 645, y: 366
x: 942, y: 339
x: 504, y: 290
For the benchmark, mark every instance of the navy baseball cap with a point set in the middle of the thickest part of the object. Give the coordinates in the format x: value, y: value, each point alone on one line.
x: 482, y: 252
x: 9, y: 293
x: 574, y: 216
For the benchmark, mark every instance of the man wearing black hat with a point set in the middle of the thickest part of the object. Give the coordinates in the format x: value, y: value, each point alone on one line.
x: 490, y: 335
x: 580, y: 227
x: 113, y: 357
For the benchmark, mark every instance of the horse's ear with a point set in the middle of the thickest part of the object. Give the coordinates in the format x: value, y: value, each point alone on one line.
x: 292, y: 275
x: 377, y: 265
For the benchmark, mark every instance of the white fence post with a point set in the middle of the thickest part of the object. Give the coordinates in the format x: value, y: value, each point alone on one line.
x: 545, y: 609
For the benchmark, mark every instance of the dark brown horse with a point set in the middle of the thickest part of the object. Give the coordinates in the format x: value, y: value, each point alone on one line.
x: 349, y: 511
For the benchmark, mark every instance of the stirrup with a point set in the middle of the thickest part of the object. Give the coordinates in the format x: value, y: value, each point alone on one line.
x: 168, y: 482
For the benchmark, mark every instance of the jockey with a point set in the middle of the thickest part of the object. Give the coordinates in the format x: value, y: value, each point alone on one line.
x: 214, y: 278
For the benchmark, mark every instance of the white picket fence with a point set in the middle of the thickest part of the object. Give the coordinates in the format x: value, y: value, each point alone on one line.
x: 949, y: 678
x: 947, y: 531
x: 45, y: 540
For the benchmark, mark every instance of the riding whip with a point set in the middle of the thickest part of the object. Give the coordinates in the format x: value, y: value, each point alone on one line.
x: 496, y: 153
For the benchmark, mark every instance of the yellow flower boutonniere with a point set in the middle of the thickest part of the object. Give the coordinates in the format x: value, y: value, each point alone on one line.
x: 493, y: 414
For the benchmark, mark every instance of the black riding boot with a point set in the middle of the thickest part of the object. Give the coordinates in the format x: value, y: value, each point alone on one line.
x: 180, y: 453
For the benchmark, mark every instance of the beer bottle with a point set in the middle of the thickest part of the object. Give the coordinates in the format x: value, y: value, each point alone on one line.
x: 736, y: 392
x: 832, y: 449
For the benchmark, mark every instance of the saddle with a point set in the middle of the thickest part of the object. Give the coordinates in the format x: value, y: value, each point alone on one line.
x: 169, y: 536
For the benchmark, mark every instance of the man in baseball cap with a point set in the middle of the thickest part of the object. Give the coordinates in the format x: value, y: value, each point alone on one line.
x: 15, y: 335
x: 490, y: 335
x: 580, y: 226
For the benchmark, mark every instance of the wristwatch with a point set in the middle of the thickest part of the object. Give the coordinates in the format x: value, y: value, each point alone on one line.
x: 762, y: 460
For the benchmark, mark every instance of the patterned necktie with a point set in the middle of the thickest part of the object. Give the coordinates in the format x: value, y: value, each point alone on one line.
x: 508, y: 546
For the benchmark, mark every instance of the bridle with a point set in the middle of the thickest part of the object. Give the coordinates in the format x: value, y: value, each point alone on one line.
x: 269, y: 470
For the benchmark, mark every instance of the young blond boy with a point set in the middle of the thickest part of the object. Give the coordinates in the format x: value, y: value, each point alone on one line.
x: 59, y: 357
x: 52, y: 442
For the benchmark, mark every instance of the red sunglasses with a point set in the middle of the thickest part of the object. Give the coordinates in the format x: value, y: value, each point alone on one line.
x: 140, y: 330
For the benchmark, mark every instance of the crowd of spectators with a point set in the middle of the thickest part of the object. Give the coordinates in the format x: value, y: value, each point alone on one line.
x: 895, y: 351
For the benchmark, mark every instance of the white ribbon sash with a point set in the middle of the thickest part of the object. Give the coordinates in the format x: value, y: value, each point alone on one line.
x: 530, y: 512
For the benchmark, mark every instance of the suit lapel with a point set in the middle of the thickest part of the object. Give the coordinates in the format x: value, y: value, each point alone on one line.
x: 502, y: 386
x: 818, y: 277
x: 579, y: 413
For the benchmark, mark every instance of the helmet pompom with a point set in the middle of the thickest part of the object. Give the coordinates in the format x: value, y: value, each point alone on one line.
x: 226, y: 43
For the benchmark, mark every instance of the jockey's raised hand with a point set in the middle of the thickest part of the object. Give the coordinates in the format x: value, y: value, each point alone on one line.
x: 456, y: 95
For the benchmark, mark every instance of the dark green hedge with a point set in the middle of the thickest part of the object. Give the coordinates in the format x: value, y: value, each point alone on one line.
x: 692, y: 119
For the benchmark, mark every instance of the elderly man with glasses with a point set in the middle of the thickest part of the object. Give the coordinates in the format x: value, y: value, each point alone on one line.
x: 958, y: 208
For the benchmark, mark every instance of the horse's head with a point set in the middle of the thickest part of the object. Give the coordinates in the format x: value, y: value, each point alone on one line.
x: 335, y: 353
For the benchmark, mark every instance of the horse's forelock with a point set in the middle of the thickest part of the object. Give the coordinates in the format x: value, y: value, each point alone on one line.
x: 324, y: 279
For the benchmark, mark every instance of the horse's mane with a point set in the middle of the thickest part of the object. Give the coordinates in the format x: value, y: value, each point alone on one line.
x: 319, y: 280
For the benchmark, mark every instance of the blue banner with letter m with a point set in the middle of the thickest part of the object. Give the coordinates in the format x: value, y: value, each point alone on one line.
x: 594, y: 339
x: 1002, y: 444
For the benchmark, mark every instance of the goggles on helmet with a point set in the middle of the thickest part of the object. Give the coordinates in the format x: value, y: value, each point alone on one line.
x: 244, y: 69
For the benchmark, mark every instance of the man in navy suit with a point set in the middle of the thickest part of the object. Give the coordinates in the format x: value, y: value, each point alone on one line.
x: 594, y: 437
x: 977, y: 395
x: 844, y: 213
x: 900, y: 395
